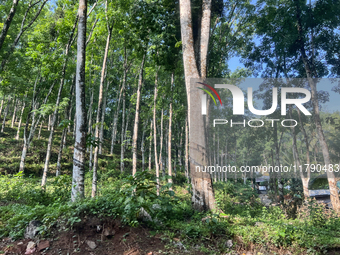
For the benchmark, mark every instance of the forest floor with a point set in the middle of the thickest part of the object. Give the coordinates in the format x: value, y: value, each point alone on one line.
x: 106, y: 225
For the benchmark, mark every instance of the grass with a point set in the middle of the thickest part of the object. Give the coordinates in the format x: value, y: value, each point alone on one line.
x: 245, y: 220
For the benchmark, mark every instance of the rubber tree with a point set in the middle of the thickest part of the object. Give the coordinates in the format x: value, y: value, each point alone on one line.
x: 77, y: 191
x: 203, y: 193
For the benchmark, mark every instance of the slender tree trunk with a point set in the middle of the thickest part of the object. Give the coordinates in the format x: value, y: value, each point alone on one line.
x: 161, y: 146
x: 125, y: 139
x: 277, y: 163
x: 1, y: 107
x: 49, y: 123
x: 297, y: 159
x: 310, y: 70
x: 20, y: 120
x: 60, y: 151
x: 80, y: 134
x: 135, y: 129
x: 14, y: 112
x: 71, y: 106
x: 99, y: 112
x: 305, y: 181
x: 40, y: 129
x: 150, y: 146
x: 55, y: 113
x: 69, y: 111
x: 91, y: 152
x: 155, y: 131
x: 187, y: 174
x: 5, y: 115
x: 122, y: 138
x: 169, y: 139
x: 90, y: 113
x: 101, y: 135
x: 143, y: 147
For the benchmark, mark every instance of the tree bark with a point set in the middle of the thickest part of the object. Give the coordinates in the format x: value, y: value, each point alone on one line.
x: 186, y: 163
x: 150, y: 146
x: 1, y: 107
x: 143, y: 147
x: 41, y: 124
x: 60, y: 151
x: 277, y: 163
x: 81, y: 129
x: 14, y: 112
x: 304, y: 179
x: 203, y: 193
x: 5, y: 115
x: 155, y: 131
x: 307, y: 151
x: 101, y: 135
x: 122, y: 136
x: 310, y: 69
x: 99, y: 112
x: 20, y: 120
x: 161, y: 146
x: 135, y: 129
x: 169, y: 138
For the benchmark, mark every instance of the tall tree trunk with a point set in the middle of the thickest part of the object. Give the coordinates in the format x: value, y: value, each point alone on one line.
x: 155, y: 131
x: 310, y: 70
x: 307, y: 178
x: 60, y: 151
x: 161, y: 146
x: 5, y: 115
x: 20, y: 120
x: 122, y: 136
x: 150, y: 146
x: 277, y: 163
x: 41, y: 124
x: 14, y: 112
x: 89, y: 126
x: 297, y: 159
x: 71, y: 105
x: 203, y: 193
x: 169, y: 138
x: 101, y: 134
x: 8, y: 22
x: 135, y: 129
x: 99, y: 113
x: 143, y: 146
x: 91, y: 152
x: 49, y: 123
x: 80, y: 134
x: 1, y: 106
x: 55, y: 113
x: 186, y: 162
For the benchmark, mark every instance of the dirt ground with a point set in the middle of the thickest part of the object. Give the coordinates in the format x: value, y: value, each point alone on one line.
x: 95, y: 237
x: 107, y: 237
